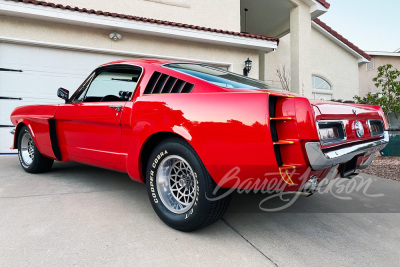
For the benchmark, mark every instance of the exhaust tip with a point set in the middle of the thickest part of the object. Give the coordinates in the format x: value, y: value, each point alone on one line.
x: 311, y: 185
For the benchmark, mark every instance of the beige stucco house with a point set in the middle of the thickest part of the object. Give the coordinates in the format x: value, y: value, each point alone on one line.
x: 46, y: 45
x: 369, y: 71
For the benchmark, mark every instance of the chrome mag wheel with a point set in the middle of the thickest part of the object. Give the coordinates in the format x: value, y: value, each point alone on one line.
x: 27, y: 148
x: 176, y: 184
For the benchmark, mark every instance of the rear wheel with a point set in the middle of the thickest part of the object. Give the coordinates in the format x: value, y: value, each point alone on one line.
x: 31, y: 159
x: 180, y: 189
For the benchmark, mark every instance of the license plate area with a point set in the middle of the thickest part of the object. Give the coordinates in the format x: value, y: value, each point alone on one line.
x: 349, y: 168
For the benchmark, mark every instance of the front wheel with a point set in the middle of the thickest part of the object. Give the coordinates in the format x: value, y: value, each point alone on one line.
x: 31, y: 159
x: 180, y: 189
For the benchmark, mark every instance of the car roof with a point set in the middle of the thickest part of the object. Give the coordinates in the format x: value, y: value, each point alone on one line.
x: 141, y: 61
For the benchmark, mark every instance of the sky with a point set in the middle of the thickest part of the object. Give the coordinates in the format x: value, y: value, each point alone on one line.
x: 372, y: 25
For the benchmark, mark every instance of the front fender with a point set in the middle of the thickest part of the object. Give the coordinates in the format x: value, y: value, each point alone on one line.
x: 36, y: 118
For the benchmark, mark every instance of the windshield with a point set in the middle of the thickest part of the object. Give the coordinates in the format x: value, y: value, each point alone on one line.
x: 219, y: 76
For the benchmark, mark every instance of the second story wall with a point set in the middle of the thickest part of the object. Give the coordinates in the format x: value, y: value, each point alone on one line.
x: 329, y: 61
x: 221, y: 14
x: 370, y: 71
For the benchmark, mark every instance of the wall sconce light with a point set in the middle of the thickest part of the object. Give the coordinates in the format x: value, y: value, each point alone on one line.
x: 247, y: 67
x: 115, y: 36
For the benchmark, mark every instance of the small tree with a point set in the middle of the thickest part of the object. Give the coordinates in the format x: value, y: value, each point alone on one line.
x: 389, y: 97
x: 284, y: 78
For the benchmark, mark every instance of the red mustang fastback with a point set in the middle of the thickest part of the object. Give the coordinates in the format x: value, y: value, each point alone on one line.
x: 191, y: 131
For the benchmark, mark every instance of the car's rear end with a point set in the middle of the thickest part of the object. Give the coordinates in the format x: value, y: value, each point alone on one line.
x: 334, y: 139
x: 350, y: 135
x: 298, y: 144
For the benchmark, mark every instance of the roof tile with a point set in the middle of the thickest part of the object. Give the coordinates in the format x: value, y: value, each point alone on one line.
x: 175, y: 24
x: 324, y: 3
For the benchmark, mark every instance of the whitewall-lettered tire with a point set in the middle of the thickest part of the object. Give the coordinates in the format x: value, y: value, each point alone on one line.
x: 29, y: 156
x: 180, y: 189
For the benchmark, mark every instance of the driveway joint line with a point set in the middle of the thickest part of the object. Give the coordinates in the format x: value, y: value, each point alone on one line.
x: 61, y: 194
x: 248, y: 241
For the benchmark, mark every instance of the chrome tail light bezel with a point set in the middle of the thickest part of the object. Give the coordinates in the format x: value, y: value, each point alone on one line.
x: 380, y: 125
x: 332, y: 124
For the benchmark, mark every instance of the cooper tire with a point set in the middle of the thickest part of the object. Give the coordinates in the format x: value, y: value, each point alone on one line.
x: 177, y: 185
x: 31, y: 159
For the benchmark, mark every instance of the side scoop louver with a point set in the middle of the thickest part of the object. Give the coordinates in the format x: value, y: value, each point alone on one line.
x: 276, y: 126
x: 161, y: 83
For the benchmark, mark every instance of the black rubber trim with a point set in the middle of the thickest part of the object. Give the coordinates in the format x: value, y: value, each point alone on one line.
x: 53, y: 139
x: 10, y: 98
x: 6, y: 126
x: 3, y: 69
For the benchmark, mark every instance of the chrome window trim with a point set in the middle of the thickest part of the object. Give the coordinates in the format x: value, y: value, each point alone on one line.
x: 335, y: 141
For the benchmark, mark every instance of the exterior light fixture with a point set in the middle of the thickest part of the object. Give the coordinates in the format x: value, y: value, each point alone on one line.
x: 115, y: 36
x: 247, y: 67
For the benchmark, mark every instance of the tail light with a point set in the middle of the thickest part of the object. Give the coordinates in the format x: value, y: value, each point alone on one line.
x: 331, y: 132
x: 376, y: 127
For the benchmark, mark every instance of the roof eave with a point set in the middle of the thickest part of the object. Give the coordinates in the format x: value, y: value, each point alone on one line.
x: 115, y: 23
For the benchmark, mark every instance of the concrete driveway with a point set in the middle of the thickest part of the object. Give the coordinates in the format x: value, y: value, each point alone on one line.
x: 81, y: 215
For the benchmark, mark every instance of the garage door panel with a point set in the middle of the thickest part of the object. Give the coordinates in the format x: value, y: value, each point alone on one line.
x: 36, y: 85
x: 6, y: 141
x: 44, y: 70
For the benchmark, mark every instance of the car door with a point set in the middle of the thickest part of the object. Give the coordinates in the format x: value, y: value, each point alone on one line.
x: 89, y: 126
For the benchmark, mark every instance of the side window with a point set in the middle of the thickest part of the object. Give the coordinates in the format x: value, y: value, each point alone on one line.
x: 111, y: 85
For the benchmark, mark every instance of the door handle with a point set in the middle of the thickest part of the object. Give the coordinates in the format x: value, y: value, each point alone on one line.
x: 117, y: 108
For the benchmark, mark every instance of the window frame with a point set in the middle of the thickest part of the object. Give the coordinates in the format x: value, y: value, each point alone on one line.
x: 84, y: 87
x: 325, y: 80
x: 316, y: 91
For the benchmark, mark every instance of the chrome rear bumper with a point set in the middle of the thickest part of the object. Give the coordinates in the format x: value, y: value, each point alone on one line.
x: 320, y: 160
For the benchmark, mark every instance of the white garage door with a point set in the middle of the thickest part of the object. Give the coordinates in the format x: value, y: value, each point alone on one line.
x: 31, y: 75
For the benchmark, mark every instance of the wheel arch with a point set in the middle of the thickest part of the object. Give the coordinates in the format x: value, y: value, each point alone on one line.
x: 151, y: 142
x: 18, y: 130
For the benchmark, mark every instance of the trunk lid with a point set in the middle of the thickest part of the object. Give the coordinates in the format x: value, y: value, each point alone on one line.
x: 349, y: 115
x: 332, y: 111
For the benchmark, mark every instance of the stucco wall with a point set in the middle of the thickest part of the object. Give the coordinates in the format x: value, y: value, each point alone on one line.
x: 277, y: 59
x: 335, y: 65
x: 366, y: 83
x: 221, y: 14
x: 328, y: 60
x: 29, y: 29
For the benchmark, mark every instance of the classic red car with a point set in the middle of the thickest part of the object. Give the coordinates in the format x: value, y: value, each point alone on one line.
x: 191, y: 131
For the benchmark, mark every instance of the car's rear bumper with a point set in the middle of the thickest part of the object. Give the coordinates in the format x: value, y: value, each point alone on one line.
x: 320, y: 160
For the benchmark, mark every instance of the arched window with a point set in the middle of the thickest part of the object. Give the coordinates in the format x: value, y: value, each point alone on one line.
x: 318, y: 84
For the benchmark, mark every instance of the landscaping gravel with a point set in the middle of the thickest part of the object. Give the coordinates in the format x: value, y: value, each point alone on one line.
x: 385, y: 167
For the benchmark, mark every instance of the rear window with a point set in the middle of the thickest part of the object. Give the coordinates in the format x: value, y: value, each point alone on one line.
x: 219, y: 76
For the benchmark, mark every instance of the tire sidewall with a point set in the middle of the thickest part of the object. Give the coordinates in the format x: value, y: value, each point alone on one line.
x: 193, y: 215
x: 24, y: 130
